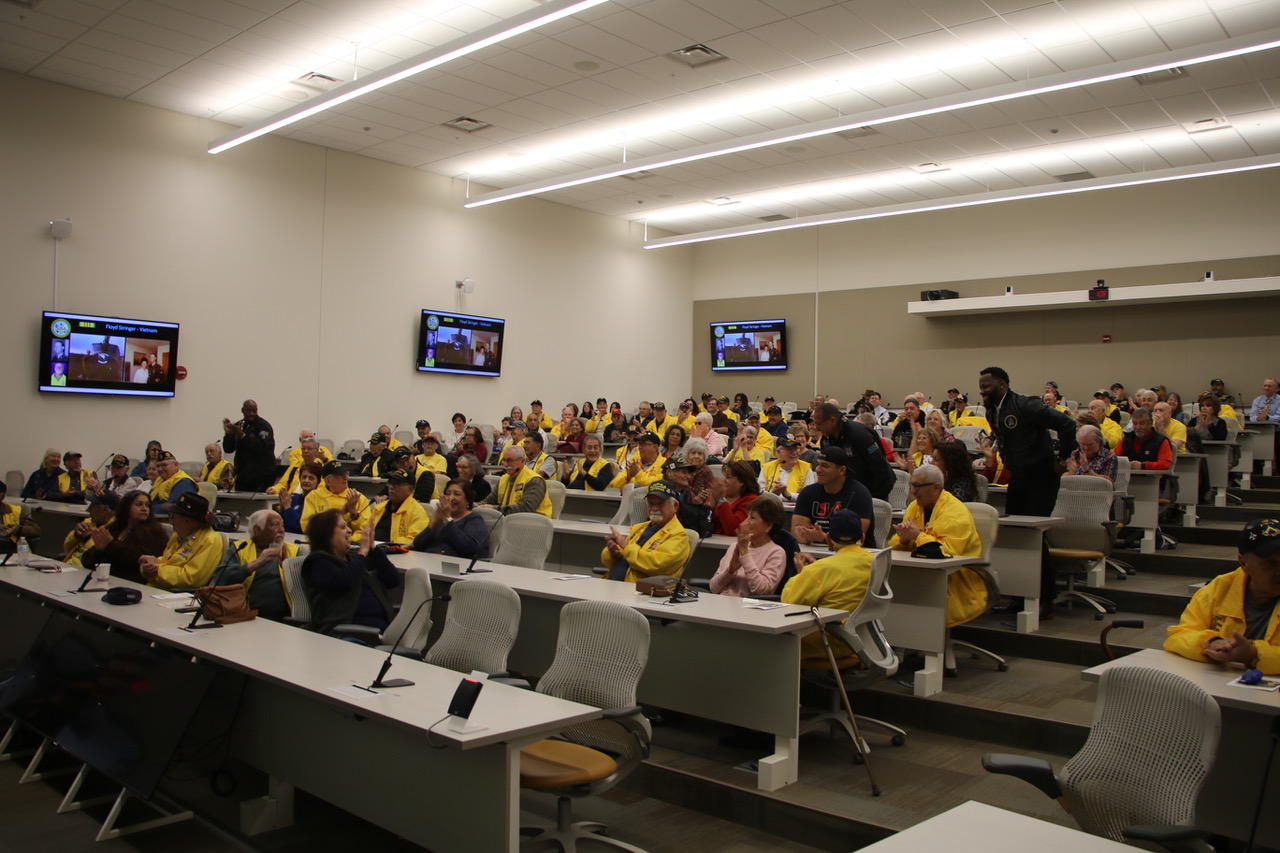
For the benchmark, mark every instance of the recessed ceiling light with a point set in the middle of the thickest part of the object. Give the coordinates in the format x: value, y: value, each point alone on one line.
x: 470, y: 125
x: 696, y: 55
x: 774, y: 217
x: 857, y: 132
x: 721, y: 201
x: 1204, y: 124
x: 640, y: 175
x: 309, y: 85
x: 586, y: 65
x: 1075, y: 176
x: 926, y: 168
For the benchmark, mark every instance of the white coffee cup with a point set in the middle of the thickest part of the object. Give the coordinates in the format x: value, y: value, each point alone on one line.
x: 102, y: 573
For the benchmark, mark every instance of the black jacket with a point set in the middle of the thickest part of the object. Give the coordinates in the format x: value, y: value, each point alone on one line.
x: 867, y: 464
x: 1021, y: 426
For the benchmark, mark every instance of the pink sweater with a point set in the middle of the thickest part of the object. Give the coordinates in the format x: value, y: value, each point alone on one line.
x: 758, y: 573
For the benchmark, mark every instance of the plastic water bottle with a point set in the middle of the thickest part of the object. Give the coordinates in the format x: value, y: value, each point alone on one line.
x: 24, y: 551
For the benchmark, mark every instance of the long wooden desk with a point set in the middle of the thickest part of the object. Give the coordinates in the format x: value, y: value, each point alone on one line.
x: 979, y: 828
x: 365, y: 752
x: 714, y: 658
x: 1230, y: 793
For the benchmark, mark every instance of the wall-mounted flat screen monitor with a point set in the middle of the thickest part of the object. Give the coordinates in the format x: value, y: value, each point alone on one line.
x: 749, y: 345
x: 449, y: 342
x: 87, y: 354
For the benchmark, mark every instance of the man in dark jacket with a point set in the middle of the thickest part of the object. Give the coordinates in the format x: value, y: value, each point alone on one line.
x: 253, y: 441
x: 867, y: 463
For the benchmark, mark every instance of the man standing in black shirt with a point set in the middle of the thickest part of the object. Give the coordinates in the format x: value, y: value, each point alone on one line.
x: 254, y: 443
x: 867, y: 463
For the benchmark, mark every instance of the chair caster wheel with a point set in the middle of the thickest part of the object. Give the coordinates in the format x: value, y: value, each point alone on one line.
x: 1002, y: 667
x: 858, y: 759
x: 898, y: 740
x: 1097, y: 617
x: 950, y: 673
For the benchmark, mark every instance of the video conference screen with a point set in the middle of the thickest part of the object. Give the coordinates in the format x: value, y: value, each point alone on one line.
x: 449, y: 342
x: 87, y: 354
x: 749, y: 345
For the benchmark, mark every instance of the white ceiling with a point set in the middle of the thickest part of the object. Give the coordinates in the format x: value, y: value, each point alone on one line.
x: 586, y: 91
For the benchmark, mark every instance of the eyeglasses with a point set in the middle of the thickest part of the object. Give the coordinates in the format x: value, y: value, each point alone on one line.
x: 922, y: 485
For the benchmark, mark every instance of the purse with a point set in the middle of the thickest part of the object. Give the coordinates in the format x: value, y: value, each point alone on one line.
x: 658, y: 586
x: 226, y: 604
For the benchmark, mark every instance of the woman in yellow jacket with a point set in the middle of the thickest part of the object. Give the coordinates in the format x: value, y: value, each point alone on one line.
x: 1216, y: 624
x: 949, y: 523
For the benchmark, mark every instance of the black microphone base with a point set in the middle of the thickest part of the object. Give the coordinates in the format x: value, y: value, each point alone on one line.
x: 392, y: 682
x: 204, y: 625
x: 478, y: 571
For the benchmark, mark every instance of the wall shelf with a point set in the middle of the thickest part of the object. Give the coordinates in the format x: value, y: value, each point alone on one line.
x: 1239, y: 288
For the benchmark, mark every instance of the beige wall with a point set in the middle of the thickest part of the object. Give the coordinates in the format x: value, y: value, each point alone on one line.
x: 298, y: 274
x: 863, y: 274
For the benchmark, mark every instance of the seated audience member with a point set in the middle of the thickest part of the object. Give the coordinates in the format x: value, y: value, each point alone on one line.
x: 388, y: 439
x: 346, y: 586
x: 72, y: 482
x: 423, y: 479
x: 1175, y: 404
x: 645, y: 467
x: 193, y: 551
x: 428, y: 457
x: 131, y: 534
x: 764, y: 439
x: 538, y: 419
x: 1053, y: 400
x: 949, y: 404
x: 334, y: 492
x: 957, y: 471
x: 151, y: 454
x: 702, y: 428
x: 686, y: 412
x: 808, y: 446
x: 755, y: 565
x: 102, y: 508
x: 741, y: 407
x: 724, y: 420
x: 308, y: 454
x: 1110, y: 429
x: 774, y: 423
x: 1162, y: 420
x: 738, y: 490
x: 305, y: 436
x: 44, y: 480
x: 991, y: 465
x: 148, y: 483
x: 561, y: 427
x: 519, y: 489
x: 865, y: 459
x: 746, y: 450
x: 908, y: 423
x: 1218, y: 390
x: 15, y: 523
x: 1120, y: 398
x: 1266, y: 406
x: 923, y: 446
x: 377, y: 461
x: 838, y: 581
x: 1144, y: 447
x: 788, y: 474
x: 695, y: 506
x: 661, y: 421
x: 936, y: 516
x: 937, y: 421
x: 959, y: 411
x: 216, y: 470
x: 643, y: 415
x: 454, y: 528
x: 590, y: 473
x: 673, y: 441
x: 590, y: 419
x: 1207, y: 424
x: 882, y: 415
x: 293, y: 504
x: 701, y: 477
x: 423, y: 428
x: 255, y: 562
x: 573, y: 439
x: 398, y: 518
x: 470, y: 469
x: 616, y: 428
x: 536, y: 459
x: 1092, y: 457
x: 459, y: 424
x: 1235, y: 618
x: 471, y: 442
x: 868, y: 420
x: 832, y: 490
x: 172, y: 484
x: 658, y: 546
x: 118, y: 480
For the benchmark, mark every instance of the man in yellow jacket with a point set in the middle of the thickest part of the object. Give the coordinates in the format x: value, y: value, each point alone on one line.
x: 936, y: 515
x: 399, y: 518
x: 334, y: 493
x: 519, y: 490
x: 659, y: 546
x: 839, y: 581
x: 645, y: 468
x: 194, y: 549
x: 1236, y: 616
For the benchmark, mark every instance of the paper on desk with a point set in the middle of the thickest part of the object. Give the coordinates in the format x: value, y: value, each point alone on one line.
x: 175, y: 603
x: 1268, y: 683
x: 352, y: 692
x: 184, y: 633
x: 757, y: 604
x: 170, y: 596
x: 570, y: 577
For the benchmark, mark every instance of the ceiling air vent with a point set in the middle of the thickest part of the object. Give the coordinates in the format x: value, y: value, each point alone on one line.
x: 640, y: 175
x: 696, y: 55
x: 470, y: 125
x: 1075, y: 176
x: 774, y: 217
x: 1163, y: 76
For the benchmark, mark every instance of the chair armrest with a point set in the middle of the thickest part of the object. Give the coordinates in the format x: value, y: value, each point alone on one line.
x: 615, y: 713
x: 297, y: 623
x: 700, y: 583
x: 600, y: 570
x: 359, y: 632
x: 1035, y: 771
x: 1175, y: 838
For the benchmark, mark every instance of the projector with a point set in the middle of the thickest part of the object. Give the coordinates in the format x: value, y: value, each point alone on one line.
x: 935, y: 295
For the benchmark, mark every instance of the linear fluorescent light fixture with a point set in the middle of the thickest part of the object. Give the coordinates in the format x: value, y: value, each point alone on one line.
x: 1195, y: 55
x: 1178, y: 173
x: 470, y: 43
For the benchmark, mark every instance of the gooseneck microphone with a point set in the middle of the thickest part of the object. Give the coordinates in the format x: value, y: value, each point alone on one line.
x: 386, y: 664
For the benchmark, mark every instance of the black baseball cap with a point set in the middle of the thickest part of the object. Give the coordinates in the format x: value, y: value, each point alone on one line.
x: 835, y: 454
x: 662, y: 489
x: 71, y: 454
x: 399, y: 478
x: 773, y: 410
x: 378, y: 438
x: 651, y: 437
x: 165, y: 456
x: 1260, y: 537
x: 192, y: 506
x: 332, y: 468
x: 423, y: 422
x: 662, y: 406
x: 401, y: 453
x: 786, y: 443
x: 120, y: 459
x: 845, y: 526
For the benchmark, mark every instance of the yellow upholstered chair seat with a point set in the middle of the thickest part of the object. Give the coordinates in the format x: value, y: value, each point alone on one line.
x: 1075, y: 554
x: 551, y: 764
